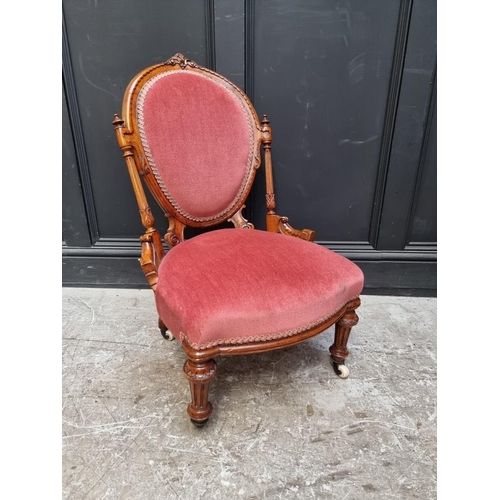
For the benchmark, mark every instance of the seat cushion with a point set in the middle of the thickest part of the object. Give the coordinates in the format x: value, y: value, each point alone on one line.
x: 233, y: 286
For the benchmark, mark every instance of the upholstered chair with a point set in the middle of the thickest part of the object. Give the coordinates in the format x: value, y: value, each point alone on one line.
x: 195, y: 140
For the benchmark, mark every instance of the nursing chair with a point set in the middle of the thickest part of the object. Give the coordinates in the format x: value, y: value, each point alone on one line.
x: 195, y: 140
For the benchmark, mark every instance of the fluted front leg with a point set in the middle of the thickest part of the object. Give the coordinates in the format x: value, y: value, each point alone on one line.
x: 338, y: 350
x: 199, y: 373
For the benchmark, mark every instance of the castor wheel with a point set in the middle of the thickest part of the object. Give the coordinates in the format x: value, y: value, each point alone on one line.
x: 167, y: 334
x: 339, y: 368
x: 199, y: 424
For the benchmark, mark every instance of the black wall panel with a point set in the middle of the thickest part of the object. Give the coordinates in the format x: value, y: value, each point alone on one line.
x: 109, y: 43
x: 423, y: 223
x: 322, y: 74
x: 416, y: 105
x: 74, y: 220
x: 349, y: 87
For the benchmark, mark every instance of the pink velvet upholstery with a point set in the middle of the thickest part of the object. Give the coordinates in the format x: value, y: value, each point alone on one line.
x: 198, y: 138
x: 239, y: 285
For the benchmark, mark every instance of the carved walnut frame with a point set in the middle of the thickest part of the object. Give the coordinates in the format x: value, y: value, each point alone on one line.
x: 200, y: 367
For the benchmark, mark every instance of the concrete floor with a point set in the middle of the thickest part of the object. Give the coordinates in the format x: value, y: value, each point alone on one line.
x: 284, y: 425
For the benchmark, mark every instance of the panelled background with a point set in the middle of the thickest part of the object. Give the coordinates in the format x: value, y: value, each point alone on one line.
x: 348, y: 85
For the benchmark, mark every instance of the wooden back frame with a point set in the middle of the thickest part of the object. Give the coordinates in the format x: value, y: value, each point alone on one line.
x: 129, y: 140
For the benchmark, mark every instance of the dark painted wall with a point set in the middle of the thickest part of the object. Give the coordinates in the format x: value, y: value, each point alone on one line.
x: 349, y: 87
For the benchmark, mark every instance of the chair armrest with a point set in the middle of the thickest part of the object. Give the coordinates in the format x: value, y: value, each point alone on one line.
x: 276, y: 223
x: 152, y: 253
x: 279, y: 224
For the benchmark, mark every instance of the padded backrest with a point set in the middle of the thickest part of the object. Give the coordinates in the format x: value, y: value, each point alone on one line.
x: 200, y: 137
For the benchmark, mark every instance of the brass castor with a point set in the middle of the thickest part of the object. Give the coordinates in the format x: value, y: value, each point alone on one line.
x: 199, y: 424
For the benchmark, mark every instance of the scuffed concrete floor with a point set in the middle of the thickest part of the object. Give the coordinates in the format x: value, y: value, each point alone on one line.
x: 284, y: 425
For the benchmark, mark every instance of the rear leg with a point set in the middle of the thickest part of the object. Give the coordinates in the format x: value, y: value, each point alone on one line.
x: 166, y: 333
